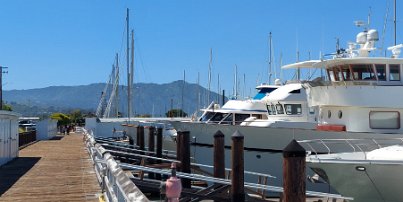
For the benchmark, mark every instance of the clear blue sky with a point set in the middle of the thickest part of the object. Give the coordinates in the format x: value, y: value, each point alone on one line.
x: 46, y: 43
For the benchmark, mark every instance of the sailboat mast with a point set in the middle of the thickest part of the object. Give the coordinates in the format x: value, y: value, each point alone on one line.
x: 270, y: 73
x: 236, y: 82
x: 218, y: 89
x: 128, y: 65
x: 131, y: 78
x: 198, y: 91
x: 117, y: 86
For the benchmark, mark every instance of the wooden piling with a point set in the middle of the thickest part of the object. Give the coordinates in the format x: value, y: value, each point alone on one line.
x: 137, y: 135
x: 140, y: 133
x: 159, y: 149
x: 294, y: 172
x: 237, y: 166
x: 151, y: 143
x: 184, y: 157
x: 219, y: 156
x: 151, y: 138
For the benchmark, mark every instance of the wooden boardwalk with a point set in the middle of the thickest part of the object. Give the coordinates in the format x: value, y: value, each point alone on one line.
x: 53, y: 170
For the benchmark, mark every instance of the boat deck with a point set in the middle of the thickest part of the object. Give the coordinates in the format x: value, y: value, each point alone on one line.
x: 54, y: 170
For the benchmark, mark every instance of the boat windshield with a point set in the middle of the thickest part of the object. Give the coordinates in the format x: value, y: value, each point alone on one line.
x: 218, y: 117
x: 228, y: 119
x: 207, y: 116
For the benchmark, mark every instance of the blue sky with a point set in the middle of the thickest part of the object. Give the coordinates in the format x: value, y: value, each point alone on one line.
x: 47, y: 43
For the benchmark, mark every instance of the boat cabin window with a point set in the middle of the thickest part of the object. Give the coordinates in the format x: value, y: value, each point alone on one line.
x: 293, y: 109
x: 269, y: 110
x: 297, y: 91
x: 273, y: 109
x: 381, y: 72
x: 218, y: 117
x: 207, y: 116
x: 384, y: 120
x: 239, y: 118
x: 258, y: 116
x: 338, y: 76
x: 363, y: 72
x: 394, y: 72
x: 346, y: 72
x: 228, y: 119
x: 279, y: 109
x: 330, y: 74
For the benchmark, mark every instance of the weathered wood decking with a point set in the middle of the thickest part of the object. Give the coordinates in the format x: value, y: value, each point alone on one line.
x: 53, y: 170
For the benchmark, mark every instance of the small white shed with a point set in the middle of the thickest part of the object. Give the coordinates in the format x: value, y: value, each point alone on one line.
x: 8, y: 136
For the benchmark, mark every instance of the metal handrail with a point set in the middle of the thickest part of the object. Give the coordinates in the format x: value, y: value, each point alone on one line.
x: 353, y: 143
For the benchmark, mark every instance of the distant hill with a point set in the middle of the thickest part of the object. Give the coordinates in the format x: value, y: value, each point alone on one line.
x: 149, y: 98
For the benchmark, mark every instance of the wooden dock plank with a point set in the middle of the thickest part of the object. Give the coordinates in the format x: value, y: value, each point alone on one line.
x: 52, y: 170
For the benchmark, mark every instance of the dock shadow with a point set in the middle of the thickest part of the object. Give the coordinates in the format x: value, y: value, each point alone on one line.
x: 12, y: 171
x: 58, y: 137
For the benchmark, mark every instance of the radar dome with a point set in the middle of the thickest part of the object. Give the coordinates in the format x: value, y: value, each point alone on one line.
x: 361, y: 38
x: 372, y: 35
x: 277, y: 82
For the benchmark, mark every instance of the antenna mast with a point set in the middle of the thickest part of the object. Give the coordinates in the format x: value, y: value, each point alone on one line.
x: 270, y: 73
x: 209, y: 75
x: 394, y: 20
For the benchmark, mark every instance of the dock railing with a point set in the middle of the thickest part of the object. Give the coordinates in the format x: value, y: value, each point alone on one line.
x: 116, y: 185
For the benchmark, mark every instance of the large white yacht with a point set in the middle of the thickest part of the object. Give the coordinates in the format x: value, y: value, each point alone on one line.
x: 360, y: 99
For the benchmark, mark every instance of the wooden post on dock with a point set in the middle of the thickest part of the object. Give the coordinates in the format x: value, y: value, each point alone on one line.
x: 140, y: 133
x: 237, y: 166
x: 219, y: 156
x: 159, y: 149
x: 294, y: 172
x: 184, y: 156
x: 130, y: 134
x: 151, y: 143
x: 137, y: 135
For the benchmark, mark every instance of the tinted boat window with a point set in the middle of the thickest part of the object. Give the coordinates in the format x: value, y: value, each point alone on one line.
x: 384, y: 120
x: 394, y: 74
x: 207, y: 116
x: 217, y: 117
x: 228, y: 119
x: 269, y: 111
x: 363, y: 72
x: 240, y: 117
x: 381, y: 72
x: 330, y: 74
x: 292, y: 109
x: 346, y: 73
x: 280, y: 109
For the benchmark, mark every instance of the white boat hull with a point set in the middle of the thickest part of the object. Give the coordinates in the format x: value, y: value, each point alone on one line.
x: 263, y: 146
x: 270, y: 139
x: 379, y: 182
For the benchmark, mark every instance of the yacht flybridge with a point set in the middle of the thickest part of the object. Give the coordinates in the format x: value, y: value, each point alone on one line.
x: 234, y: 112
x: 362, y: 94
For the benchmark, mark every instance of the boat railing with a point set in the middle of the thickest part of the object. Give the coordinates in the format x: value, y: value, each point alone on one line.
x: 317, y: 146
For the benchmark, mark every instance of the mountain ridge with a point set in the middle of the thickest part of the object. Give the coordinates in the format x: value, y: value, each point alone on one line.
x: 149, y: 98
